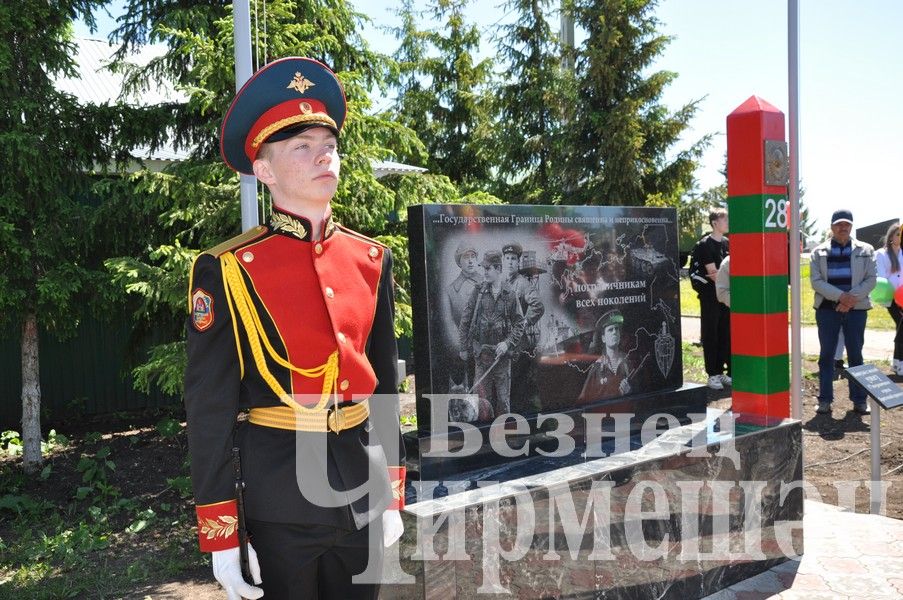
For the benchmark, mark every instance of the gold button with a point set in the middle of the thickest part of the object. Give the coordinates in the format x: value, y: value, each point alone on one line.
x: 318, y: 248
x: 344, y: 385
x: 341, y: 337
x: 247, y: 256
x: 374, y: 252
x: 329, y: 292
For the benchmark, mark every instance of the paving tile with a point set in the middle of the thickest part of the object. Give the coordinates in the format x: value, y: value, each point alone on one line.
x: 864, y: 587
x: 809, y: 564
x: 811, y: 595
x: 804, y: 581
x: 840, y: 549
x: 889, y: 566
x: 847, y: 556
x: 845, y: 566
x: 896, y: 533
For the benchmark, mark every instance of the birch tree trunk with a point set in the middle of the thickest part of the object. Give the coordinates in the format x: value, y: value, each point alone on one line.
x: 31, y: 396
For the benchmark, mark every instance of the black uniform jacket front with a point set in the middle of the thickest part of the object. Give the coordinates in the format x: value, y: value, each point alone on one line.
x: 278, y: 319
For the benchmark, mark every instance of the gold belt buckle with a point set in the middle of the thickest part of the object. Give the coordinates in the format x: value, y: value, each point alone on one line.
x: 336, y: 420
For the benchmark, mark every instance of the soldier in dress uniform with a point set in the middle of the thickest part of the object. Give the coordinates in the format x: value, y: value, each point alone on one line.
x: 524, y: 391
x: 292, y: 323
x: 490, y: 329
x: 609, y: 376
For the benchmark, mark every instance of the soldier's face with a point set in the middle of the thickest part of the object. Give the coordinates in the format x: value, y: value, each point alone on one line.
x: 612, y: 335
x: 469, y: 263
x: 492, y: 273
x: 303, y: 169
x: 510, y: 262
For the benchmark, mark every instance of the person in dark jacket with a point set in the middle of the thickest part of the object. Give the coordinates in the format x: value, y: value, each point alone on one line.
x: 715, y: 317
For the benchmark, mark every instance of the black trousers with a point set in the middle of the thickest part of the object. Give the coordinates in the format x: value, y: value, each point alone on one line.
x: 314, y: 562
x: 715, y: 329
x: 896, y: 313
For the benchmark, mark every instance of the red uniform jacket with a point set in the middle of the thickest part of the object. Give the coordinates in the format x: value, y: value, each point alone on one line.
x: 312, y: 299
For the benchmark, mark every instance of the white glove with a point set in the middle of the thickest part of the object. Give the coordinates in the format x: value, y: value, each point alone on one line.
x: 227, y: 570
x: 392, y: 527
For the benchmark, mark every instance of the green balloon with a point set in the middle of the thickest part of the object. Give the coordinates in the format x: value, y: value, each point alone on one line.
x: 883, y: 292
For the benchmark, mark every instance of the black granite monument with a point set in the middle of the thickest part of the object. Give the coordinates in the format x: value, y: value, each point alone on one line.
x: 567, y: 320
x: 544, y: 309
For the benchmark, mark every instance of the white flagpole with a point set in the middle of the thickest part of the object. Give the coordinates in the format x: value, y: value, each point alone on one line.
x: 796, y: 362
x: 241, y: 14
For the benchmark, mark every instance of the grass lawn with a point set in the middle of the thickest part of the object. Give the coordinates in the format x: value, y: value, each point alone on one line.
x: 878, y: 317
x: 111, y: 511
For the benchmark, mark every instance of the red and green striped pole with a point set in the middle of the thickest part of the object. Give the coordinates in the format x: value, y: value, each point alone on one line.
x: 757, y: 207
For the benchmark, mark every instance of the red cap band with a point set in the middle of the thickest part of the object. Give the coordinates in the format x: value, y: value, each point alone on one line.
x: 285, y: 114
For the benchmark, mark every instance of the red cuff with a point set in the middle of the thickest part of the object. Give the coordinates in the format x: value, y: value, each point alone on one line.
x: 396, y: 480
x: 218, y: 525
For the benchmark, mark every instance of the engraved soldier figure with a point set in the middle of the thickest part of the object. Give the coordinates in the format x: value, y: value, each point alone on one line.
x: 490, y: 329
x: 524, y: 392
x: 609, y: 376
x: 454, y: 301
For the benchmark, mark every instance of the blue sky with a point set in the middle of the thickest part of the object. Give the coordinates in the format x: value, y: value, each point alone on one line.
x: 725, y: 51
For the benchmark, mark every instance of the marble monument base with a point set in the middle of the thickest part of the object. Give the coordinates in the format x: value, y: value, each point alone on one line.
x: 682, y: 405
x: 695, y: 510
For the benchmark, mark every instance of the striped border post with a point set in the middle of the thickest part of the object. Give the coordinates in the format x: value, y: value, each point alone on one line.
x: 760, y: 362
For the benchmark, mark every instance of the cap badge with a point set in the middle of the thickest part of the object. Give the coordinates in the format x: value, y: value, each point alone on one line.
x: 306, y: 108
x: 300, y: 83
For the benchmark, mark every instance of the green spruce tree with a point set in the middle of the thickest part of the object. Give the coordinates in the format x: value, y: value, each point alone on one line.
x: 49, y: 143
x: 623, y: 138
x: 533, y: 96
x: 442, y: 92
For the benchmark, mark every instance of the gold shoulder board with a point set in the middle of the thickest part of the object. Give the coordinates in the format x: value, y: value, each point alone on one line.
x: 238, y: 241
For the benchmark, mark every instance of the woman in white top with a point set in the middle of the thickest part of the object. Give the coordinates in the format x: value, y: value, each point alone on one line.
x: 890, y: 266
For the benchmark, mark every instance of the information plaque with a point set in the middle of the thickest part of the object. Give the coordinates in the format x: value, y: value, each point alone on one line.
x: 877, y: 385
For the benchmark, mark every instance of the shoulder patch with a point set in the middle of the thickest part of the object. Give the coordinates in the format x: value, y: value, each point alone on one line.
x: 360, y: 236
x: 239, y: 240
x: 201, y: 309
